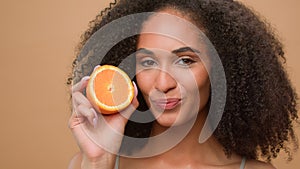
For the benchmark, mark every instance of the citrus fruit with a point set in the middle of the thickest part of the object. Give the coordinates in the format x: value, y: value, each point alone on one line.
x: 109, y: 89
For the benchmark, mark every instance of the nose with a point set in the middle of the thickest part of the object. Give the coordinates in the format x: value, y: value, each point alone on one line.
x: 164, y: 82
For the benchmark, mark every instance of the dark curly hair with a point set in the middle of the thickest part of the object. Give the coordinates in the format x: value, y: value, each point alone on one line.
x: 261, y: 103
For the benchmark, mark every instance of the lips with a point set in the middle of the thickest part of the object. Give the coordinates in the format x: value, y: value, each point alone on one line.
x: 167, y: 104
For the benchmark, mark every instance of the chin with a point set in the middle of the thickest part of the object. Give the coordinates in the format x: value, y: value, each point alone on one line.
x: 166, y: 120
x: 169, y: 119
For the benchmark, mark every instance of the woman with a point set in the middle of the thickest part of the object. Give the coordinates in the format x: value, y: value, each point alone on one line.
x: 173, y: 67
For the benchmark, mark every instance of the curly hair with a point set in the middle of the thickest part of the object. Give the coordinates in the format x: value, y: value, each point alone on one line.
x: 261, y: 103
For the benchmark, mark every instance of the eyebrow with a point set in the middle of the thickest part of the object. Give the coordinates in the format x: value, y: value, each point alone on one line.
x: 146, y: 51
x: 176, y: 51
x: 185, y: 49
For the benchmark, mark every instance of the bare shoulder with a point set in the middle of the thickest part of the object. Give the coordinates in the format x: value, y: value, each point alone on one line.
x: 255, y: 164
x: 75, y: 162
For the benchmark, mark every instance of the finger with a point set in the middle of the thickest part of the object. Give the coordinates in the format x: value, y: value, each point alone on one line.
x: 79, y: 130
x: 126, y: 113
x: 78, y: 87
x: 79, y: 99
x: 135, y: 89
x: 96, y: 67
x: 75, y: 120
x: 88, y: 113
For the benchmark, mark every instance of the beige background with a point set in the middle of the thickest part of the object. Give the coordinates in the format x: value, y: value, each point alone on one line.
x: 37, y: 46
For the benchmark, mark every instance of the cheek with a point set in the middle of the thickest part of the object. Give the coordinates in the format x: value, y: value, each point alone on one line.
x: 194, y: 79
x: 144, y: 82
x: 204, y: 91
x: 196, y: 85
x: 202, y: 80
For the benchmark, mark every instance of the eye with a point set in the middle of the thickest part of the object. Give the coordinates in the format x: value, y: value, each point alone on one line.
x: 185, y: 61
x: 148, y: 62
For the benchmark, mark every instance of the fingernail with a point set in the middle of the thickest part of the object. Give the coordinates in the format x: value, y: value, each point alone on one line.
x: 135, y: 89
x: 95, y: 121
x: 94, y: 112
x: 96, y: 67
x: 85, y: 78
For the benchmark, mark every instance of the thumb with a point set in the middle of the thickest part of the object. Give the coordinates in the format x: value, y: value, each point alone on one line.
x: 126, y: 113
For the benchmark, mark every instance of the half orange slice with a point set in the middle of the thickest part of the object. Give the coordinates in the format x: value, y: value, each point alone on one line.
x: 110, y: 90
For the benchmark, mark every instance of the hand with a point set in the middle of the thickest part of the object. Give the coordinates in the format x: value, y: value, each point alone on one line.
x: 98, y: 136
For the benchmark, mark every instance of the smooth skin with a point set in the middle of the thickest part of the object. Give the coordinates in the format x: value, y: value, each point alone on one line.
x: 85, y: 119
x: 166, y: 69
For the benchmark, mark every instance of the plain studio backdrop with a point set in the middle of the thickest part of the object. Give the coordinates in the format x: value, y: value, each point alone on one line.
x: 38, y: 40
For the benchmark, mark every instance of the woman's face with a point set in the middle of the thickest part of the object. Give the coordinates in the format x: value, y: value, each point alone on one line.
x: 170, y: 74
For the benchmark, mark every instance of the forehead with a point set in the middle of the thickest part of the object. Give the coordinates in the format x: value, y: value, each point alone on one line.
x: 169, y: 26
